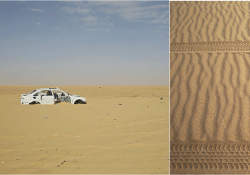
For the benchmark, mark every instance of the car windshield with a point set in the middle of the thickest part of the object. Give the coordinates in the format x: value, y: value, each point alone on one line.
x: 32, y: 92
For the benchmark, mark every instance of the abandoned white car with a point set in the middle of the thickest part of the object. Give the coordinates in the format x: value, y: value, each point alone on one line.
x: 50, y: 96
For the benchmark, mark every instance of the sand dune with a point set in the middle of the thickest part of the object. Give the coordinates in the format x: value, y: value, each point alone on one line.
x: 210, y: 87
x: 99, y: 137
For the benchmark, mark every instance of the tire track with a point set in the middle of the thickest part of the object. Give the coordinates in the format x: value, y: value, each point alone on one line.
x: 210, y: 47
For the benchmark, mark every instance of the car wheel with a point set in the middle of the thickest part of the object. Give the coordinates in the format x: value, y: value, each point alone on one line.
x: 80, y: 102
x: 34, y: 102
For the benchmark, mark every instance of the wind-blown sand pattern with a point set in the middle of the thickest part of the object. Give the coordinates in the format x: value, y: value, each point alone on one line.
x: 210, y: 87
x: 100, y: 137
x: 210, y: 96
x: 209, y: 21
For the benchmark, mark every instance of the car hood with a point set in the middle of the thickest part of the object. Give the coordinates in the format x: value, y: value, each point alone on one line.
x: 74, y: 95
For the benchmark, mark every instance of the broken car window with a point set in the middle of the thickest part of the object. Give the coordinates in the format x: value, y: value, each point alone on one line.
x: 49, y: 93
x: 46, y: 93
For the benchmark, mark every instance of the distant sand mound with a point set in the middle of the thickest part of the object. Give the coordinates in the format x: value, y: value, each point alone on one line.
x: 210, y: 87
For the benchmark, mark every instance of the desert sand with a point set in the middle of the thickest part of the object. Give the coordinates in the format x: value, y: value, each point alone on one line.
x: 210, y: 87
x: 98, y: 137
x: 209, y: 21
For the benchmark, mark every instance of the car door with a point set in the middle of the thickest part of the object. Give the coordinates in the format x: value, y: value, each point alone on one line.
x: 37, y: 97
x: 48, y: 98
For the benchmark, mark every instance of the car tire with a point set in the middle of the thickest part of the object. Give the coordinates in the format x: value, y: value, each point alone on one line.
x: 34, y: 102
x: 80, y: 102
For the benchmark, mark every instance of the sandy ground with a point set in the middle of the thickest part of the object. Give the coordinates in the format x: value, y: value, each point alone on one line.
x: 210, y: 97
x: 209, y: 21
x: 99, y: 137
x: 210, y: 87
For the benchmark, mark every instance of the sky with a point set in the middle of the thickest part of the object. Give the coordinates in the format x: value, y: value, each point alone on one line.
x: 84, y: 43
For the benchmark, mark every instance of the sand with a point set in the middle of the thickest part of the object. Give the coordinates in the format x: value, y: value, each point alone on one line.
x: 99, y: 137
x: 210, y: 87
x: 209, y: 21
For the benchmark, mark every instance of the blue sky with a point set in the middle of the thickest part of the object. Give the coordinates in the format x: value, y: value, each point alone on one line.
x: 84, y: 43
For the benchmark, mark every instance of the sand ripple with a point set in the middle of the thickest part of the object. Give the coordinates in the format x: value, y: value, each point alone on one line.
x: 210, y: 96
x: 209, y: 87
x: 209, y: 21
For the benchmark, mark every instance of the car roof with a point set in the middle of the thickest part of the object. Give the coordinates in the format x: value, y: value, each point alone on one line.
x: 55, y: 88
